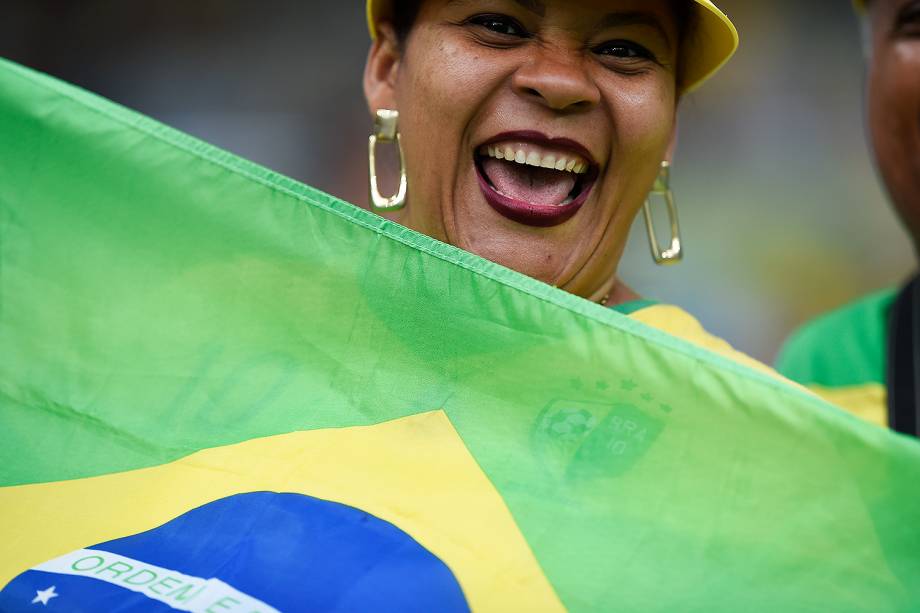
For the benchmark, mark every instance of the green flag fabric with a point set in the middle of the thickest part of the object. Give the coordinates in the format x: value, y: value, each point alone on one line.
x: 221, y: 389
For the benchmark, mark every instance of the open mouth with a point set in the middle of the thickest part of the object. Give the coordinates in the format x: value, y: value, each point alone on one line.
x: 535, y: 181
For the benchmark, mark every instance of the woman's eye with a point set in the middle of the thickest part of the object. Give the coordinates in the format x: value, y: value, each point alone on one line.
x: 624, y: 50
x: 908, y: 18
x: 499, y: 24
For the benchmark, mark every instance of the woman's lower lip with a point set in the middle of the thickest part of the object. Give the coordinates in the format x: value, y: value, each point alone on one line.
x: 541, y: 216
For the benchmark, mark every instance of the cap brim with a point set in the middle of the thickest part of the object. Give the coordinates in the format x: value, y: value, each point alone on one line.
x: 709, y: 47
x: 374, y: 14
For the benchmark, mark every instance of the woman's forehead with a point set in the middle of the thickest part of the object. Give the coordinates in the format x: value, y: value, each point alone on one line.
x: 542, y: 8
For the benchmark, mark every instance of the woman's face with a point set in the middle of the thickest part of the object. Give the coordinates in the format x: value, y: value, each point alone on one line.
x: 532, y: 129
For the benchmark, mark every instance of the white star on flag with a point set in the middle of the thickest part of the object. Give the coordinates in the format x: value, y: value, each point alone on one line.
x: 44, y: 596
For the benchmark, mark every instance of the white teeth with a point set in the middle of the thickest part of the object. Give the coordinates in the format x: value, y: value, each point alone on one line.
x: 534, y: 158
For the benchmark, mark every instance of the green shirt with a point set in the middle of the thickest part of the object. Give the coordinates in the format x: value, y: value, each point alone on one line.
x: 842, y: 356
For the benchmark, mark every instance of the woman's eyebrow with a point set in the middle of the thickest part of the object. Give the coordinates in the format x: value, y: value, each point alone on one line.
x: 619, y: 20
x: 611, y: 20
x: 534, y: 6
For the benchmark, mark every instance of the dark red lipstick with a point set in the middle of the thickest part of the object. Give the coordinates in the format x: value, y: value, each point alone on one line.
x: 528, y: 213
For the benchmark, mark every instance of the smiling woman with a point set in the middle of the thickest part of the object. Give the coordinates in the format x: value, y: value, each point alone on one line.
x: 531, y: 132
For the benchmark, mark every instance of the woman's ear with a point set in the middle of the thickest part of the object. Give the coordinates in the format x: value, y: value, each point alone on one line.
x: 381, y: 70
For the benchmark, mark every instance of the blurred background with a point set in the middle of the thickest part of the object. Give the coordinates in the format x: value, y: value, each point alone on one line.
x: 781, y: 210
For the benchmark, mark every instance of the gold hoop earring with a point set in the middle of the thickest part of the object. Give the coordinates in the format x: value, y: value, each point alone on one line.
x: 386, y: 131
x: 662, y: 189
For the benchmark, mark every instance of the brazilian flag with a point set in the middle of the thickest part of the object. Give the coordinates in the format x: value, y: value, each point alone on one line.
x: 222, y: 390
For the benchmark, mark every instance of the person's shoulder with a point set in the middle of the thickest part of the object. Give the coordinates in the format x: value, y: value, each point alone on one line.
x: 843, y: 347
x: 678, y: 322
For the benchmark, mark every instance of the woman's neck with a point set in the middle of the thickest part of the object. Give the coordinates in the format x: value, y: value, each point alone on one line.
x: 613, y: 294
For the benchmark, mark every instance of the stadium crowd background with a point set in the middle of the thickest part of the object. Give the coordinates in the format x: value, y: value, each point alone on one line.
x: 781, y: 212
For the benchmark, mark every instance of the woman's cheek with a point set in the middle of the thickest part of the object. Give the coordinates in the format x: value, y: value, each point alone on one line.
x: 454, y: 73
x: 433, y: 112
x: 644, y: 116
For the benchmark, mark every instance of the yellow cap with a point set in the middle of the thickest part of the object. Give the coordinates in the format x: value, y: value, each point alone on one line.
x: 714, y: 42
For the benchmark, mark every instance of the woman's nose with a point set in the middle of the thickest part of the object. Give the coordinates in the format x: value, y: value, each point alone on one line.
x: 557, y: 80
